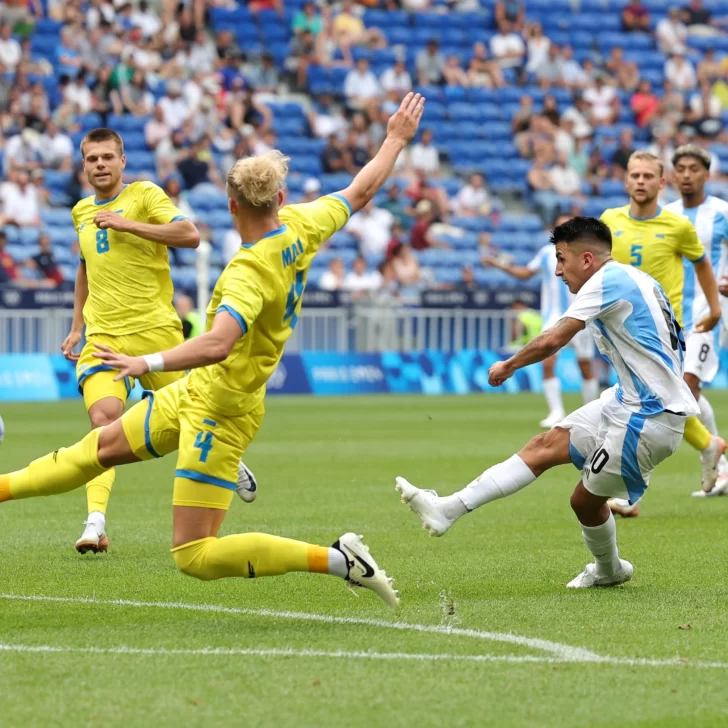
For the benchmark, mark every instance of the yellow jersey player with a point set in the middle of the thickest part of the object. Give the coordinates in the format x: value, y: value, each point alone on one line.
x: 123, y: 293
x: 212, y: 415
x: 656, y: 240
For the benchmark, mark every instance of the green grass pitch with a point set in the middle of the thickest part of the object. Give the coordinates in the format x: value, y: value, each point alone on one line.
x: 501, y: 642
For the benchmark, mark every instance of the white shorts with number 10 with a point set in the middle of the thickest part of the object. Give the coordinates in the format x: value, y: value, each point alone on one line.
x: 617, y: 449
x: 701, y: 355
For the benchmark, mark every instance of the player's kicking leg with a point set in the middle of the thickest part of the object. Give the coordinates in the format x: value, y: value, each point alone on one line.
x: 623, y: 448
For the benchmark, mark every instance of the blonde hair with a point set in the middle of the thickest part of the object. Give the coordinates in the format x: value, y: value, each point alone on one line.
x: 256, y: 181
x: 643, y: 155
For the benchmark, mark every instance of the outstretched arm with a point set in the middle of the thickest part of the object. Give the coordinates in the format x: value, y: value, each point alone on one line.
x: 542, y: 347
x: 210, y: 348
x: 522, y: 272
x: 402, y: 126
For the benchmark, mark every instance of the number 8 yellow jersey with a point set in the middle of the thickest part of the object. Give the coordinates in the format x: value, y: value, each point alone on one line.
x: 262, y: 288
x: 656, y: 245
x: 129, y: 283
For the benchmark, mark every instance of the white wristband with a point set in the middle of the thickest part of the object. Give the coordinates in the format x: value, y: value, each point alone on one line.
x: 155, y: 362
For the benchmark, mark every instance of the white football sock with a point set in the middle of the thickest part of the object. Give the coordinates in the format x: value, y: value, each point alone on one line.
x: 602, y: 542
x: 501, y: 480
x: 337, y: 563
x: 98, y: 520
x: 707, y: 416
x: 552, y: 392
x: 589, y: 390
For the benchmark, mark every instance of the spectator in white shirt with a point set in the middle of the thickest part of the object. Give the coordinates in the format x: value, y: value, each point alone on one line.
x: 78, y: 94
x: 603, y: 102
x: 564, y: 179
x: 361, y: 87
x: 572, y: 74
x: 174, y: 107
x: 155, y: 130
x: 146, y: 20
x: 680, y: 72
x: 22, y: 151
x: 360, y: 280
x: 538, y: 47
x: 424, y: 156
x: 10, y: 51
x: 203, y: 54
x: 397, y: 79
x: 328, y: 119
x: 671, y: 33
x: 372, y: 227
x: 473, y: 198
x: 56, y: 148
x: 508, y: 48
x: 333, y: 278
x: 20, y: 203
x: 578, y: 114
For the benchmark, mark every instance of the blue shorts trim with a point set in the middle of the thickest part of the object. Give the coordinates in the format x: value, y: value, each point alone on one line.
x: 212, y: 423
x: 86, y: 373
x: 236, y: 316
x: 631, y: 473
x: 576, y: 457
x: 203, y: 478
x: 343, y: 199
x: 147, y: 434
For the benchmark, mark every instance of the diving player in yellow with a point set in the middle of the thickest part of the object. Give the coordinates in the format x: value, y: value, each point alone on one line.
x: 212, y: 415
x: 655, y: 240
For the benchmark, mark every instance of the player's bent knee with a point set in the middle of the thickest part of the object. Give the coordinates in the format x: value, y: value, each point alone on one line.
x: 190, y: 558
x: 101, y: 416
x: 547, y: 450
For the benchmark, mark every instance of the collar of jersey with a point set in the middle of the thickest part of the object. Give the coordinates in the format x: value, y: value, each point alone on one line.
x: 111, y: 199
x: 652, y: 217
x: 277, y: 231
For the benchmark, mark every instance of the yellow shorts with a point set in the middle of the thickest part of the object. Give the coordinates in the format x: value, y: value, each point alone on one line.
x: 210, y: 445
x: 96, y: 379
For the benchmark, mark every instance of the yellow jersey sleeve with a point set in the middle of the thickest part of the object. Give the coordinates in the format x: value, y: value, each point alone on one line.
x: 317, y: 221
x: 159, y: 209
x: 243, y: 291
x: 688, y: 243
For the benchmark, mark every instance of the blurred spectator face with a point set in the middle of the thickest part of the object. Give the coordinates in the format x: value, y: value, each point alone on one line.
x: 453, y: 62
x: 553, y: 52
x: 426, y: 138
x: 359, y: 123
x: 5, y: 31
x: 22, y: 178
x: 45, y: 243
x: 468, y: 275
x: 626, y: 139
x: 479, y: 51
x: 393, y: 192
x: 476, y: 181
x: 103, y: 164
x: 362, y: 65
x: 644, y: 180
x: 309, y: 10
x: 172, y: 188
x: 433, y: 46
x: 360, y: 266
x: 567, y: 52
x: 646, y: 88
x: 336, y: 266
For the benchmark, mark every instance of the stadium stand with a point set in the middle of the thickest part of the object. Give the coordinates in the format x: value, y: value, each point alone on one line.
x: 543, y: 115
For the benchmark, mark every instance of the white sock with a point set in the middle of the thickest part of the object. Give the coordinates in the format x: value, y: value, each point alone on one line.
x: 98, y: 520
x: 602, y: 542
x: 707, y: 416
x: 589, y: 390
x: 501, y: 480
x: 337, y: 563
x: 552, y: 392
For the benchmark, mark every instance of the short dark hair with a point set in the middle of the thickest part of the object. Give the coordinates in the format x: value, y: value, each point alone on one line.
x: 581, y: 229
x: 694, y: 152
x: 102, y: 135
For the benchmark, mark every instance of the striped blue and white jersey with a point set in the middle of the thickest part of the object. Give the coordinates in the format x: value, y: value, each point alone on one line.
x: 710, y: 220
x: 635, y: 328
x: 555, y: 296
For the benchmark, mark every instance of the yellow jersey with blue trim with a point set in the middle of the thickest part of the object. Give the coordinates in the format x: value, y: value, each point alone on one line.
x: 656, y: 245
x: 129, y: 284
x: 262, y: 289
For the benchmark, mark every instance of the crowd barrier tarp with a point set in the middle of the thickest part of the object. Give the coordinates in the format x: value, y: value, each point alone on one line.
x: 26, y: 377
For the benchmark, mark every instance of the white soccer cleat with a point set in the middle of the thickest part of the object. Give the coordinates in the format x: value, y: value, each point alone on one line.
x: 709, y: 460
x: 552, y: 420
x: 589, y: 577
x: 364, y: 571
x: 92, y: 540
x: 720, y: 488
x: 247, y: 487
x: 622, y: 507
x: 425, y: 505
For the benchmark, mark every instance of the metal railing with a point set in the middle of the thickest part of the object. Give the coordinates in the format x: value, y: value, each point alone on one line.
x: 353, y: 329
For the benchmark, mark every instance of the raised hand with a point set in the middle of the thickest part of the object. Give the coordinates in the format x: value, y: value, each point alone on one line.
x: 404, y: 122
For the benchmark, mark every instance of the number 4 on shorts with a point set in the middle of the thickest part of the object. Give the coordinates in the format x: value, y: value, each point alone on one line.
x: 203, y: 442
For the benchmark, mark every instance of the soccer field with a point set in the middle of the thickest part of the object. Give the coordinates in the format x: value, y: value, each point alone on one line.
x: 487, y: 634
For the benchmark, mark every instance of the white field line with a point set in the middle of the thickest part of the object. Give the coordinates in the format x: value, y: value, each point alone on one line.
x: 563, y: 652
x: 350, y: 655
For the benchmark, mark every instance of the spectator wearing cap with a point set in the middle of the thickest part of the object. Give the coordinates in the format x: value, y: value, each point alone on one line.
x: 397, y: 79
x: 44, y: 262
x: 635, y: 17
x: 311, y: 190
x: 508, y: 48
x: 671, y: 33
x: 430, y: 64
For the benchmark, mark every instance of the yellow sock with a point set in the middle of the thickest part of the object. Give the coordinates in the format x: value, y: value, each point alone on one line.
x: 98, y: 491
x: 249, y: 555
x: 696, y: 433
x: 58, y: 472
